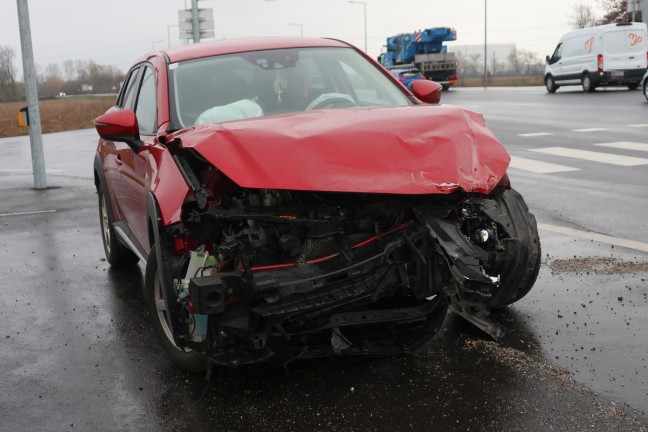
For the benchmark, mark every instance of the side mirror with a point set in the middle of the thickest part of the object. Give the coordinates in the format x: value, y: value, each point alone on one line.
x: 121, y: 126
x: 427, y: 91
x: 548, y: 60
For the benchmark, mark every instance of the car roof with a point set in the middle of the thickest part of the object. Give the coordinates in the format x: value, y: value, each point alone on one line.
x: 229, y: 46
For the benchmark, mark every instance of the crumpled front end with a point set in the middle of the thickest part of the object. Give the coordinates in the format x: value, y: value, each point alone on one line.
x: 289, y: 274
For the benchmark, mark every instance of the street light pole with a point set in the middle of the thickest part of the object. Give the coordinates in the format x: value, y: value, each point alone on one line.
x: 31, y: 94
x: 364, y: 5
x: 195, y: 21
x: 169, y: 34
x: 485, y: 44
x: 301, y: 28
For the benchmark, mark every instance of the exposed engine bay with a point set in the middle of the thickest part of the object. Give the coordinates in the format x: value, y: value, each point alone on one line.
x: 256, y: 274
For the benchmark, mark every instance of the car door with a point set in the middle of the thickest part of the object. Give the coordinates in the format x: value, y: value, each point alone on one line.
x: 111, y: 151
x: 134, y: 173
x: 614, y: 51
x: 554, y: 66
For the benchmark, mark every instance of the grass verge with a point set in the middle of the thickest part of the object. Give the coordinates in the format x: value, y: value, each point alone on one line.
x: 57, y: 114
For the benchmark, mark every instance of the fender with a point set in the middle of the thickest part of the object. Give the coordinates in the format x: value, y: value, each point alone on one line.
x: 154, y: 222
x: 100, y: 182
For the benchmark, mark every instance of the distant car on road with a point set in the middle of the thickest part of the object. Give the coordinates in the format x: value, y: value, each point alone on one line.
x: 292, y: 200
x: 407, y: 76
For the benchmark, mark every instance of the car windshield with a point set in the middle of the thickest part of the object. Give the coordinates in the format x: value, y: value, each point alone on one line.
x: 260, y: 83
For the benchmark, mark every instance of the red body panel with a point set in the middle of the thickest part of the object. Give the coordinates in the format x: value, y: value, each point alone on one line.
x: 402, y: 150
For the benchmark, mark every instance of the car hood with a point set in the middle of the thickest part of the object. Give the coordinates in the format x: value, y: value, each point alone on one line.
x: 416, y: 149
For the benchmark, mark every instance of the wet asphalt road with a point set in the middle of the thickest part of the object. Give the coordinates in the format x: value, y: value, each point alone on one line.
x: 77, y: 352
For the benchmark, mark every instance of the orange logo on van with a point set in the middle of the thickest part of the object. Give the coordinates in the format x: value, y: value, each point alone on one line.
x: 635, y: 39
x: 589, y: 43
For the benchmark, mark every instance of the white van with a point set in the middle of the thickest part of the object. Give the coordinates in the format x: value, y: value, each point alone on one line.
x: 611, y: 54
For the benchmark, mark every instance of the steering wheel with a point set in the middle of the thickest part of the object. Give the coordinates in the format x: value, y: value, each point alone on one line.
x: 330, y: 100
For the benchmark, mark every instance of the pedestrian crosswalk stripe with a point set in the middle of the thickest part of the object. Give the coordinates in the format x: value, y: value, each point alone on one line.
x: 589, y: 130
x: 537, y: 166
x: 535, y: 134
x: 593, y: 156
x: 625, y: 145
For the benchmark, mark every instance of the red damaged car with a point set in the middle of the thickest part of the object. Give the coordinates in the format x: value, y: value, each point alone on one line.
x: 292, y: 200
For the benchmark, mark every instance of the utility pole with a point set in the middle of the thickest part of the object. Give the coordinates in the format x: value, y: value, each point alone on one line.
x: 195, y: 21
x: 485, y: 44
x: 31, y: 94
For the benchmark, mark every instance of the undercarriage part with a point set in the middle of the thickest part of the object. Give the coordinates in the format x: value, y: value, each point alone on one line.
x: 479, y: 316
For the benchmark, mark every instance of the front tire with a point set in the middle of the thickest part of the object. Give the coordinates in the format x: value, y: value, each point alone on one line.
x: 523, y: 250
x: 184, y: 358
x: 117, y: 254
x: 588, y: 85
x: 550, y: 83
x: 645, y: 88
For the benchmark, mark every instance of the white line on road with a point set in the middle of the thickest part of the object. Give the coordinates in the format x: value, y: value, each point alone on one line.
x: 625, y: 145
x: 535, y: 134
x: 593, y: 156
x: 640, y: 125
x: 537, y: 166
x: 14, y: 170
x: 27, y: 213
x: 585, y: 235
x: 589, y: 130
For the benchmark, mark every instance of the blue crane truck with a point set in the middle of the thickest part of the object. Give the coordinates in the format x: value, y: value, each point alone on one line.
x: 425, y: 51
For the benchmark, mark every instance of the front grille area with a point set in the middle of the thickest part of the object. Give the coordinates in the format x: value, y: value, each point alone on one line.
x: 322, y: 247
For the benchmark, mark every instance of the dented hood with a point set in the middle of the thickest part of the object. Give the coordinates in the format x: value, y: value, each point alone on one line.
x: 417, y: 149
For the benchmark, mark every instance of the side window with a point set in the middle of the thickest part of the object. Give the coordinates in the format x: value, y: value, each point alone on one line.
x: 146, y: 109
x: 557, y: 55
x: 127, y: 95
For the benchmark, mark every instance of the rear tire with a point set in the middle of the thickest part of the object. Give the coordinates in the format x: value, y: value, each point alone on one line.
x: 586, y: 81
x: 184, y: 358
x: 645, y: 88
x: 117, y: 254
x: 550, y: 83
x: 523, y: 250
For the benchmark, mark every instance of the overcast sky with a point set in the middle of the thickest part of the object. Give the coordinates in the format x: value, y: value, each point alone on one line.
x: 117, y: 32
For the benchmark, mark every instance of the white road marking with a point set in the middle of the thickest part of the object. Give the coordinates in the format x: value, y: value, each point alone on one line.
x: 589, y: 130
x: 27, y: 213
x: 625, y: 145
x: 593, y: 156
x: 640, y: 125
x: 14, y: 170
x: 535, y: 134
x: 537, y: 166
x: 586, y: 235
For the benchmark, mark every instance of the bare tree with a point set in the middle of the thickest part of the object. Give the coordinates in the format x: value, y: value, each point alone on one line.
x: 514, y: 64
x: 617, y: 11
x: 582, y: 15
x: 495, y: 64
x: 529, y: 59
x: 69, y: 70
x: 7, y: 73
